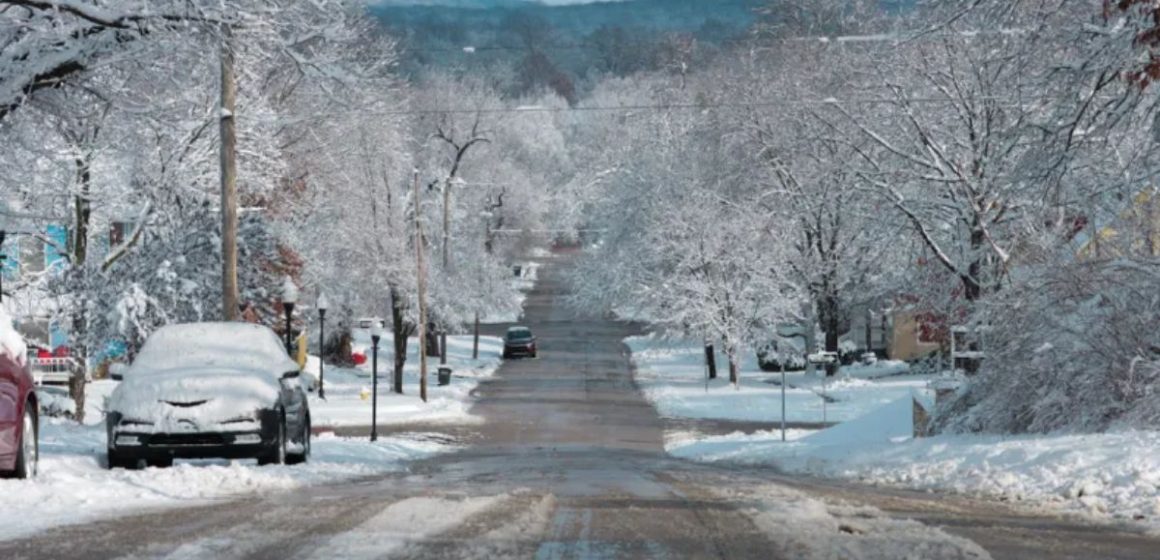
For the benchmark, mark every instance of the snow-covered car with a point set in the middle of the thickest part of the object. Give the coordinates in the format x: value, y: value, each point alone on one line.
x: 19, y: 448
x: 203, y: 390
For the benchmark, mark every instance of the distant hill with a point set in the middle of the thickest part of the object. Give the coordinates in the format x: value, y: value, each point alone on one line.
x: 559, y: 42
x: 670, y: 15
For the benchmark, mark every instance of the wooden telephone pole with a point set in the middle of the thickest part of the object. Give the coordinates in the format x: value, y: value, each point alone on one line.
x: 229, y: 177
x: 422, y: 279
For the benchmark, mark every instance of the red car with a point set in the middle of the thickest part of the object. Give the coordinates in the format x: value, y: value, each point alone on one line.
x: 19, y: 448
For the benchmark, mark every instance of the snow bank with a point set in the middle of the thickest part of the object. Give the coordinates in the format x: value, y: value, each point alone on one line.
x: 73, y: 486
x: 1111, y: 476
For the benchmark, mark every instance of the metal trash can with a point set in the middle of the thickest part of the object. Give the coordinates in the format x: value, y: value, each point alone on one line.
x: 444, y: 375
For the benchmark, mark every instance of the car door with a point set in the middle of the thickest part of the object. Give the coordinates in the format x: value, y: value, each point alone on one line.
x: 9, y: 409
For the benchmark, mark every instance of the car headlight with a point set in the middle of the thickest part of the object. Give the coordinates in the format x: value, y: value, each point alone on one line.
x: 123, y: 440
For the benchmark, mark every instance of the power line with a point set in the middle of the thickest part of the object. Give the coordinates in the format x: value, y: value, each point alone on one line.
x: 663, y: 107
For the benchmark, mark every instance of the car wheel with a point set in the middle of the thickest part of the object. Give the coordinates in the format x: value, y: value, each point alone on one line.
x: 28, y: 456
x: 162, y: 463
x: 114, y: 460
x: 299, y: 458
x: 277, y: 455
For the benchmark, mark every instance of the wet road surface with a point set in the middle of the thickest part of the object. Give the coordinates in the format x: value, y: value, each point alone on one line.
x: 570, y: 464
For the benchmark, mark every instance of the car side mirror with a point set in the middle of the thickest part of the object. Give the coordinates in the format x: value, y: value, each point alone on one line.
x: 117, y: 371
x: 292, y: 374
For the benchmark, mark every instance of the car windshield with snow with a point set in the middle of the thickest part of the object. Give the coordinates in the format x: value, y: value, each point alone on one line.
x: 206, y: 390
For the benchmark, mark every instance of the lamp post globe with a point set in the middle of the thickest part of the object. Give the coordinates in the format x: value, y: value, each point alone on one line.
x: 289, y: 300
x: 323, y: 304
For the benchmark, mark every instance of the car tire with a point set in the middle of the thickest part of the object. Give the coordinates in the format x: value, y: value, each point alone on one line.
x: 277, y: 455
x: 162, y: 463
x: 28, y: 455
x: 299, y: 458
x: 114, y: 460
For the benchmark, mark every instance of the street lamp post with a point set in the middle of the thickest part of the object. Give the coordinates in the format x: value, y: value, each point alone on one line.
x: 289, y: 299
x: 322, y: 305
x: 3, y: 258
x: 376, y: 336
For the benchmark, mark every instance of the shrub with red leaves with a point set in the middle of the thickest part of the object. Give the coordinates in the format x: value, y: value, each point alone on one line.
x: 1148, y: 38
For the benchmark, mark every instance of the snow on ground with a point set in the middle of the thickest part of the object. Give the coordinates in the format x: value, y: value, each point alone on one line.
x: 73, y: 486
x: 806, y: 528
x: 348, y: 390
x: 671, y: 373
x: 1110, y: 476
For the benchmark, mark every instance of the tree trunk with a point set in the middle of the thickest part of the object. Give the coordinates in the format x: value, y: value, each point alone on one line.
x: 734, y: 367
x: 475, y: 339
x: 229, y: 174
x: 829, y: 314
x: 711, y: 360
x: 431, y: 340
x: 80, y: 250
x: 973, y: 292
x: 400, y: 332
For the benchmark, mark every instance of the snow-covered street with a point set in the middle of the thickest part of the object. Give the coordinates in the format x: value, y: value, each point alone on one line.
x: 567, y: 460
x: 75, y: 487
x: 580, y: 279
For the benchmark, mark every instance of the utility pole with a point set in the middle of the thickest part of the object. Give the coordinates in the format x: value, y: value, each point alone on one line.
x: 229, y: 176
x: 4, y: 258
x: 446, y: 261
x: 422, y: 297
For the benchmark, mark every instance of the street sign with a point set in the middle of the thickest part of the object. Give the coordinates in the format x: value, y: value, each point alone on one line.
x: 821, y: 358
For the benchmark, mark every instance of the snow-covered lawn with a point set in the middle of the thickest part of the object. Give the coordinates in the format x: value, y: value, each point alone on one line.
x: 348, y: 390
x: 671, y: 373
x: 74, y: 487
x: 1109, y: 476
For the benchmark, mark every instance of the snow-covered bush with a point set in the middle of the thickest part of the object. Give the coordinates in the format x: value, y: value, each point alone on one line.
x: 1073, y: 347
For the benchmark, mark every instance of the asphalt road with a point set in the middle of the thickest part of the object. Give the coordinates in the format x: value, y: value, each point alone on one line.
x: 570, y: 464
